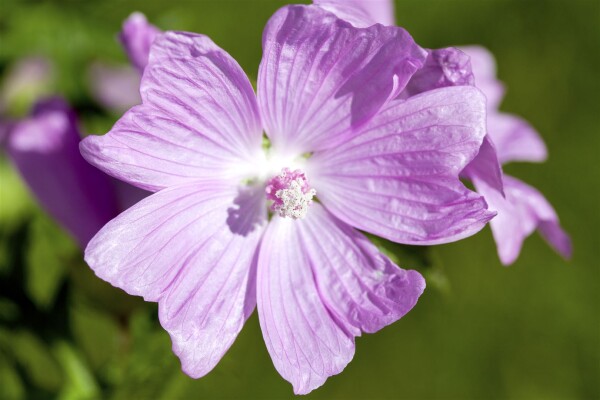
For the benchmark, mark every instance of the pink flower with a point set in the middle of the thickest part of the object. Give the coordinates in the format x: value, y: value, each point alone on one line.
x: 44, y: 147
x: 345, y: 155
x: 521, y: 208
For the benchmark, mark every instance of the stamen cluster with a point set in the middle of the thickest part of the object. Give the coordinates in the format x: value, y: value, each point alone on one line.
x: 291, y: 194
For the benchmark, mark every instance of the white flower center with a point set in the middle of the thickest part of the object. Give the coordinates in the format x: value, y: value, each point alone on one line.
x: 291, y: 194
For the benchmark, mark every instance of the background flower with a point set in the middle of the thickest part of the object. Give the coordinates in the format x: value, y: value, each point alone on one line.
x: 521, y: 208
x: 44, y: 147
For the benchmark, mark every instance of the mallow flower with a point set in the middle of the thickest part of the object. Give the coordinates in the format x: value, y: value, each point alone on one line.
x: 44, y: 147
x: 241, y: 219
x: 521, y: 208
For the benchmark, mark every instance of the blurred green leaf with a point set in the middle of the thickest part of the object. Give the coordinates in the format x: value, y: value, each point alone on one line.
x: 9, y: 311
x: 407, y: 257
x: 151, y: 363
x: 97, y: 124
x: 50, y: 251
x: 33, y: 355
x: 15, y: 201
x: 96, y: 333
x: 11, y: 386
x: 15, y: 207
x: 79, y: 381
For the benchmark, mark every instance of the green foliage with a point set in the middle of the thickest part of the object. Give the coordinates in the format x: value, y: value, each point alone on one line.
x: 34, y: 357
x: 79, y: 382
x: 15, y: 202
x: 97, y: 334
x: 12, y: 387
x: 49, y: 252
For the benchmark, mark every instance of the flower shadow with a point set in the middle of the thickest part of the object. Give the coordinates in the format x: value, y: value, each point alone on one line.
x: 248, y: 211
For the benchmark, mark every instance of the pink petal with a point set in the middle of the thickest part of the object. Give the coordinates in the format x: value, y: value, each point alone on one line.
x: 198, y: 120
x: 515, y: 139
x: 486, y: 166
x: 399, y: 178
x: 305, y: 342
x: 443, y: 67
x: 136, y: 37
x: 44, y: 148
x: 320, y: 284
x: 483, y: 65
x: 191, y: 248
x: 522, y: 211
x: 361, y: 287
x: 320, y: 78
x: 361, y: 13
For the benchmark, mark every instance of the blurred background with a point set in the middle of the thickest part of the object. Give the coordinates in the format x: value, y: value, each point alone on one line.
x: 530, y: 331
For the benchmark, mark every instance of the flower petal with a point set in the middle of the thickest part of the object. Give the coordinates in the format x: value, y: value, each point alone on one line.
x: 399, y: 178
x: 199, y: 119
x: 483, y: 65
x: 136, y: 37
x: 522, y: 211
x: 443, y: 67
x: 44, y: 148
x: 361, y: 287
x: 320, y: 78
x: 305, y: 342
x: 361, y: 13
x: 486, y: 166
x: 515, y: 139
x: 191, y: 248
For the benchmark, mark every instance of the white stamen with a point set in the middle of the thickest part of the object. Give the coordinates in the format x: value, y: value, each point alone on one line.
x: 294, y: 202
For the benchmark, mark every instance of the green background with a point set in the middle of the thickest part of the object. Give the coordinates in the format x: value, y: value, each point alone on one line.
x: 531, y: 331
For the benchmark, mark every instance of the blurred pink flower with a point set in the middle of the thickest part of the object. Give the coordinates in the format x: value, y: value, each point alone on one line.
x: 521, y: 208
x: 44, y: 147
x: 115, y: 87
